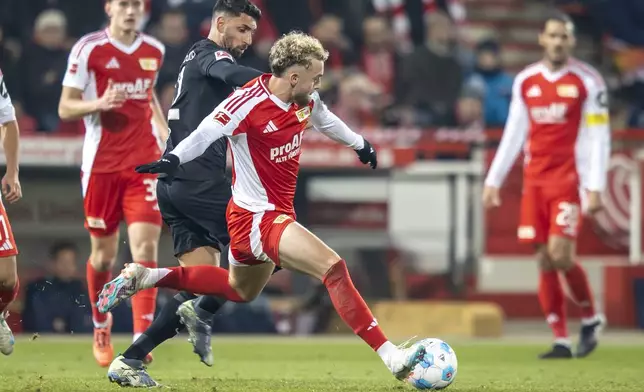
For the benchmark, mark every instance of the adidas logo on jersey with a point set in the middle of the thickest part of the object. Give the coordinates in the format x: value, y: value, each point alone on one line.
x: 270, y: 127
x: 113, y: 64
x: 373, y: 325
x: 534, y: 91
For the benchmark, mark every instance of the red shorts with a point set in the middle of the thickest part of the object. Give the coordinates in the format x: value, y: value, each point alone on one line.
x: 8, y: 246
x: 547, y: 211
x: 109, y: 198
x: 255, y: 236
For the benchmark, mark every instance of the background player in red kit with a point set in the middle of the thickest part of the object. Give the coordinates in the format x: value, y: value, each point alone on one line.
x: 559, y: 114
x: 11, y: 192
x: 109, y: 83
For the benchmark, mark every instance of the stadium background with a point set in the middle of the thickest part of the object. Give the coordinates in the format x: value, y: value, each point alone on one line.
x: 429, y: 82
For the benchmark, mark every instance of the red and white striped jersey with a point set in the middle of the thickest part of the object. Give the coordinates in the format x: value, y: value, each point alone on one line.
x: 561, y: 121
x: 7, y: 112
x: 265, y: 135
x: 122, y: 138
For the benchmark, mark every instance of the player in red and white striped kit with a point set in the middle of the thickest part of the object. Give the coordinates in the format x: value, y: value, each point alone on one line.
x: 110, y: 83
x: 559, y: 115
x: 11, y: 192
x: 264, y: 123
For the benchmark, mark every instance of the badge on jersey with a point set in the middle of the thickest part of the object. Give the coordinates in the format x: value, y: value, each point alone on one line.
x: 222, y: 54
x: 281, y: 219
x: 222, y: 118
x: 73, y: 68
x: 303, y: 113
x: 149, y: 64
x: 567, y: 91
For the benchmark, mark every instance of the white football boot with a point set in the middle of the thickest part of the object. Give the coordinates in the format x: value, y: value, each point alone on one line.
x: 130, y: 373
x: 6, y: 336
x: 128, y: 283
x: 399, y: 360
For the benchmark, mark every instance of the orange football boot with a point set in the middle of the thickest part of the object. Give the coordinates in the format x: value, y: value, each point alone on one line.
x: 102, y: 346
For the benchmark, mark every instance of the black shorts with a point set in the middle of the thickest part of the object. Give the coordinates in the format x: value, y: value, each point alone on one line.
x: 195, y: 211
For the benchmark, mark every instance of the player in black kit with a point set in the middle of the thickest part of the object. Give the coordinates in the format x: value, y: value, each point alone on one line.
x: 193, y: 203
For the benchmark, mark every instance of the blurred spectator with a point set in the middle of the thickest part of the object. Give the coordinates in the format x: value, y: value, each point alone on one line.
x: 341, y: 52
x: 431, y: 77
x: 43, y: 67
x: 469, y: 111
x: 88, y: 16
x: 358, y: 101
x: 379, y: 60
x: 58, y: 303
x: 492, y: 83
x: 10, y: 51
x: 173, y: 32
x: 623, y: 20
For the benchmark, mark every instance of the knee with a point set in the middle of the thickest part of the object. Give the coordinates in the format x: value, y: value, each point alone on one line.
x: 543, y: 258
x: 145, y: 250
x: 560, y: 258
x: 8, y: 280
x: 327, y: 266
x: 103, y: 255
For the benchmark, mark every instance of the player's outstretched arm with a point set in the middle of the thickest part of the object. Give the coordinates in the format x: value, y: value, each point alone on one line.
x: 218, y: 124
x: 329, y: 124
x: 220, y: 65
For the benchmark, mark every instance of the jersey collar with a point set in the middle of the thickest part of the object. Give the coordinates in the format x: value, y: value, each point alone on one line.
x: 122, y: 47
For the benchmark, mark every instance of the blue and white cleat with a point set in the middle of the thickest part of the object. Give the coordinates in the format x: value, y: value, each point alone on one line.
x: 199, y: 331
x: 401, y: 360
x: 589, y: 336
x: 130, y: 373
x: 6, y: 336
x: 128, y: 283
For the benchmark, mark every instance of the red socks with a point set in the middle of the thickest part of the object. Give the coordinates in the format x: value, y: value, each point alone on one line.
x: 351, y: 307
x: 551, y: 297
x: 580, y: 290
x: 7, y: 296
x: 201, y: 279
x: 144, y: 304
x: 95, y: 282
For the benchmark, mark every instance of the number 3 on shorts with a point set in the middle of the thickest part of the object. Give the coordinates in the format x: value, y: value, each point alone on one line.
x: 568, y: 218
x: 150, y: 189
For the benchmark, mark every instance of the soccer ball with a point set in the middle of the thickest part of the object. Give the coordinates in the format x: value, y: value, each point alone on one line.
x: 437, y: 369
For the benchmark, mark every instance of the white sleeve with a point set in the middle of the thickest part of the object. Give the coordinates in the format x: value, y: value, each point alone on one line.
x: 216, y: 125
x: 77, y: 73
x: 329, y: 124
x: 7, y: 112
x: 597, y: 123
x: 513, y: 139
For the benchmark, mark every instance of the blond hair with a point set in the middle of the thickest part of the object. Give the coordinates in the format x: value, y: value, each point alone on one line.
x: 295, y: 48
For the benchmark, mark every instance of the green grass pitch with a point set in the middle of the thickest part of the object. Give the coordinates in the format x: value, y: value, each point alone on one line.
x: 291, y: 364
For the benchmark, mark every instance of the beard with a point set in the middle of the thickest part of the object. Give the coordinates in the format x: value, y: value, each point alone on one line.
x: 302, y: 99
x: 236, y: 51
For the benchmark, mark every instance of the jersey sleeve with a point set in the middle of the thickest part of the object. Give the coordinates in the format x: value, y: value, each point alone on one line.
x: 326, y: 122
x: 7, y: 112
x: 597, y: 123
x: 221, y: 122
x: 221, y: 65
x: 513, y: 139
x: 77, y: 74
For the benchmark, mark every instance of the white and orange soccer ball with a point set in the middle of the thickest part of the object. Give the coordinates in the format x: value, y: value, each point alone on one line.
x: 438, y: 367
